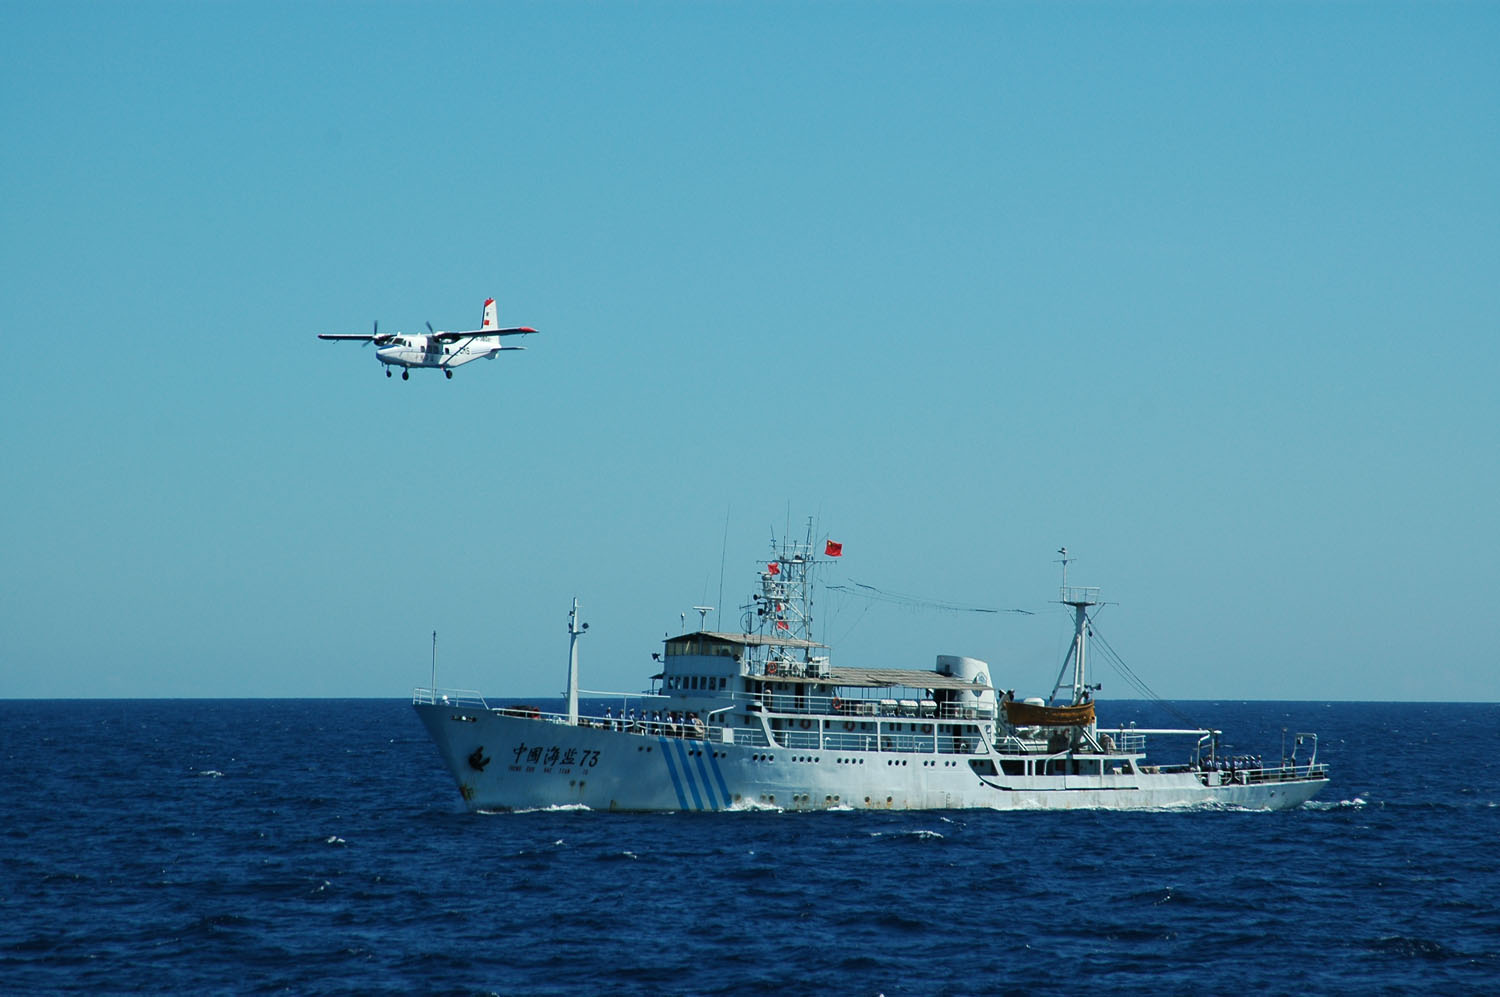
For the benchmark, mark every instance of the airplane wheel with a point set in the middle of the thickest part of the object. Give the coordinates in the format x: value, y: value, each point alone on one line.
x: 387, y: 372
x: 449, y: 373
x: 406, y: 375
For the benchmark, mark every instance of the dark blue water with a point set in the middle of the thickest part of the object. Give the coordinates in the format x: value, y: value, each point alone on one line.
x: 312, y: 847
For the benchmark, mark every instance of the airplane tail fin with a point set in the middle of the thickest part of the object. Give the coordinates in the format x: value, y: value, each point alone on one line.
x: 491, y: 323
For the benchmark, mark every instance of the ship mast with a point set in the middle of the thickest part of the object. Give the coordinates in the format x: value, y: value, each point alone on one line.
x: 574, y: 632
x: 783, y: 608
x: 1080, y: 599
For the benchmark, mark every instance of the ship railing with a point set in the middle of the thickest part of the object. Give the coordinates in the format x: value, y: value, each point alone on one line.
x: 651, y: 727
x: 797, y: 738
x: 1074, y: 595
x: 751, y: 736
x: 646, y: 726
x: 1013, y: 745
x: 448, y: 697
x: 840, y: 708
x: 1126, y: 739
x: 961, y: 711
x: 856, y: 741
x: 1225, y: 774
x: 1287, y: 773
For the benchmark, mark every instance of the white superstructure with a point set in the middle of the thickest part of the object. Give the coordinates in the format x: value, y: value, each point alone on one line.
x: 760, y: 718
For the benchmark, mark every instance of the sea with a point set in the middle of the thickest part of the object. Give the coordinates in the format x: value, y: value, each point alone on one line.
x: 318, y: 847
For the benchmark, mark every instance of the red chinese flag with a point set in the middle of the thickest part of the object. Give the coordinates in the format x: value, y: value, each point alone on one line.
x: 773, y: 568
x: 782, y: 625
x: 834, y: 549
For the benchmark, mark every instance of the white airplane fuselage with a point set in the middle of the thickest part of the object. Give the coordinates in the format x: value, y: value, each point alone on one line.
x: 427, y: 351
x: 443, y: 350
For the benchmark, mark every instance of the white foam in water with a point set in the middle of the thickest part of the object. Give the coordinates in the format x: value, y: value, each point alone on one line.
x: 1355, y: 804
x: 754, y: 805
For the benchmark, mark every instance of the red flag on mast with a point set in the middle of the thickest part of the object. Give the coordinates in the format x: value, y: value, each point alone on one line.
x: 773, y: 568
x: 834, y: 549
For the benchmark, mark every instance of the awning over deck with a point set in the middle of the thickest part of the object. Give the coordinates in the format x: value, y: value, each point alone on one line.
x: 743, y: 640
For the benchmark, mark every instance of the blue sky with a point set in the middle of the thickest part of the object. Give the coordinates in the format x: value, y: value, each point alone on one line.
x: 1207, y: 293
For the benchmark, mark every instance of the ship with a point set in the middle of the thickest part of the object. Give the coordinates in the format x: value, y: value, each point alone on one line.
x: 760, y: 719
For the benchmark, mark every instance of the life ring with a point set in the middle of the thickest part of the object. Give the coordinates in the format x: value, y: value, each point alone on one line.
x: 805, y: 724
x: 770, y: 668
x: 848, y: 724
x: 838, y: 705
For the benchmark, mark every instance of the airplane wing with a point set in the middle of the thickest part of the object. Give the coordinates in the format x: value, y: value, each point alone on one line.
x: 449, y: 337
x: 379, y: 339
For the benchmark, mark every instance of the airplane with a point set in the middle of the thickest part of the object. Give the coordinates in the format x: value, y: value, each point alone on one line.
x: 444, y: 350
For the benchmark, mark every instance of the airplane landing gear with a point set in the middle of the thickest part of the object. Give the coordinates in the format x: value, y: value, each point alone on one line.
x: 387, y: 372
x: 449, y: 374
x: 406, y: 375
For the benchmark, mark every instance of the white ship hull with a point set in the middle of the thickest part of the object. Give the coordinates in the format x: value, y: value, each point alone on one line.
x: 507, y: 762
x: 760, y: 718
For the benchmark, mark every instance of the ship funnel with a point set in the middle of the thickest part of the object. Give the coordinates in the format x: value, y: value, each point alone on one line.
x: 970, y: 670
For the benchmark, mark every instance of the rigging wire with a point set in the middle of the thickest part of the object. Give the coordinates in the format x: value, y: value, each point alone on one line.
x: 835, y: 612
x: 1138, y: 683
x: 874, y: 594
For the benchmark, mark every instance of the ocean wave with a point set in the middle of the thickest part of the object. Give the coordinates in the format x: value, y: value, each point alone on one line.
x: 1408, y: 947
x: 918, y: 834
x: 556, y: 808
x: 1353, y: 804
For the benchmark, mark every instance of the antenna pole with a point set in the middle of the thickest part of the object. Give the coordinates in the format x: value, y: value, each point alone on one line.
x: 574, y: 632
x: 723, y: 556
x: 434, y: 665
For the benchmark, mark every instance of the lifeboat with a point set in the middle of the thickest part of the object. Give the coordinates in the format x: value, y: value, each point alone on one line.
x: 1030, y: 715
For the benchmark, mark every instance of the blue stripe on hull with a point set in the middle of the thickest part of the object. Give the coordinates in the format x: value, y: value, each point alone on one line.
x: 666, y: 754
x: 687, y: 773
x: 708, y: 786
x: 713, y: 759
